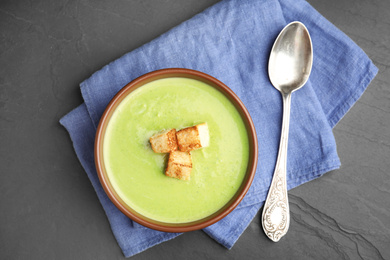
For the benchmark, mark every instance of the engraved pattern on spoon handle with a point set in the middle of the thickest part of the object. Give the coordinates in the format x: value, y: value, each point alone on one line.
x: 276, y: 214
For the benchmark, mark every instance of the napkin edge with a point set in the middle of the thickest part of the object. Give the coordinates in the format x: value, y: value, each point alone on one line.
x: 239, y: 230
x: 337, y: 114
x: 148, y: 244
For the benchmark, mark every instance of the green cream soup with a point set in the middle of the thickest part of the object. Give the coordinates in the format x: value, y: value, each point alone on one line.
x: 137, y: 173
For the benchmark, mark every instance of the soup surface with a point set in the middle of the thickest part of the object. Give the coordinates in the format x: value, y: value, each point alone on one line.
x: 137, y: 173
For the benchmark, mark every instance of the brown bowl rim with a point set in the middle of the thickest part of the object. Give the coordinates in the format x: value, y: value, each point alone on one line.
x: 176, y: 227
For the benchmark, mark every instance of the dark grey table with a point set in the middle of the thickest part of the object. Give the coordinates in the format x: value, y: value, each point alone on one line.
x: 48, y: 208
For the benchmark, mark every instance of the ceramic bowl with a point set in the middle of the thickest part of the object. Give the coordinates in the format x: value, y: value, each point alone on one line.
x: 175, y: 227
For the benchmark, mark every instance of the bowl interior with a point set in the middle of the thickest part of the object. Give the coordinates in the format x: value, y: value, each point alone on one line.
x: 151, y: 223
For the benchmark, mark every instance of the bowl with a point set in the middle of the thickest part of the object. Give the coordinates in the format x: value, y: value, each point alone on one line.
x: 113, y: 192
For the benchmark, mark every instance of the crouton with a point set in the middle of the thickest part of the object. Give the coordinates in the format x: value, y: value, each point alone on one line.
x: 164, y: 142
x: 192, y: 138
x: 179, y: 165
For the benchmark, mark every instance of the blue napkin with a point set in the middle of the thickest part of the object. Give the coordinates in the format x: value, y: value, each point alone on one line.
x: 231, y: 41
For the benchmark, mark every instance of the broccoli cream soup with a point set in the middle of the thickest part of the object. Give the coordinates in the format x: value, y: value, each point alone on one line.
x: 137, y: 173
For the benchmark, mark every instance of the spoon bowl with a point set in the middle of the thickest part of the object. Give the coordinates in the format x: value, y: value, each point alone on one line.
x: 291, y: 58
x: 289, y: 68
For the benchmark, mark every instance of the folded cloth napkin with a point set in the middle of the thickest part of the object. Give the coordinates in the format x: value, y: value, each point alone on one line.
x: 232, y: 41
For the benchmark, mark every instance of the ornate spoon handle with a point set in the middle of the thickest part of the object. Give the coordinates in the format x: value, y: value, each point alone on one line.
x: 276, y: 214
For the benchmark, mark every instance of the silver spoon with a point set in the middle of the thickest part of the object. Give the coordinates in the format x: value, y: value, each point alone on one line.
x: 289, y: 68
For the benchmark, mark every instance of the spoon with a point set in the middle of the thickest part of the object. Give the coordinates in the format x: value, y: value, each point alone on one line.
x: 289, y: 68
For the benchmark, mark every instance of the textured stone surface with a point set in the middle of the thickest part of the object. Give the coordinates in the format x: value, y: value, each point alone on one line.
x: 48, y: 209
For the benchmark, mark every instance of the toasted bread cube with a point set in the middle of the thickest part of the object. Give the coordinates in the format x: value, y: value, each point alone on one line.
x: 203, y: 130
x: 179, y: 165
x: 164, y: 142
x: 192, y: 138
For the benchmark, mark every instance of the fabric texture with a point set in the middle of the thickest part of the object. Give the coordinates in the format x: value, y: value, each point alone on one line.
x: 231, y: 41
